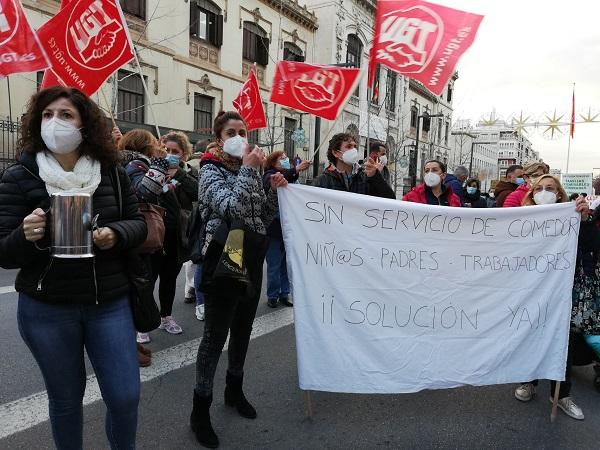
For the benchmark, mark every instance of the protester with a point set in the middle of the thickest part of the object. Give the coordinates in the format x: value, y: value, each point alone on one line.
x: 514, y: 178
x: 67, y: 305
x: 473, y: 196
x: 178, y: 196
x: 146, y: 166
x: 433, y: 191
x: 531, y: 172
x: 456, y: 181
x: 345, y: 174
x: 573, y: 196
x: 278, y: 285
x: 546, y: 189
x: 230, y: 190
x: 377, y: 153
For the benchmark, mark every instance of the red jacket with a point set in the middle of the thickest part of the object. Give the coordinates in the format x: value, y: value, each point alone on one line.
x: 516, y: 198
x: 418, y: 195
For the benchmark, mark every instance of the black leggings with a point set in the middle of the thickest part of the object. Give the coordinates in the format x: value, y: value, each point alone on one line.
x: 224, y: 314
x: 165, y: 265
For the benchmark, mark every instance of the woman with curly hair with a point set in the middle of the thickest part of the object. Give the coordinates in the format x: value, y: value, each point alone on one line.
x: 66, y: 305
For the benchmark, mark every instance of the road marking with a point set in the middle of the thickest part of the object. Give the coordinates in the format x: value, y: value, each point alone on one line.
x: 27, y: 412
x: 7, y: 289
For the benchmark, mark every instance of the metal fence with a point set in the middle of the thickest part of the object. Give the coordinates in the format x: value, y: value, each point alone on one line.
x: 9, y: 135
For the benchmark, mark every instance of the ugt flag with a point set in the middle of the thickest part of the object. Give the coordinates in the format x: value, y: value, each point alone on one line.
x: 20, y: 50
x: 87, y: 42
x: 50, y: 79
x: 421, y: 40
x: 249, y: 104
x: 318, y: 90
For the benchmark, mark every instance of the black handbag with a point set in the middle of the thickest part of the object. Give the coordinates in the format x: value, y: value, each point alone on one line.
x: 234, y: 259
x: 146, y: 315
x: 195, y: 235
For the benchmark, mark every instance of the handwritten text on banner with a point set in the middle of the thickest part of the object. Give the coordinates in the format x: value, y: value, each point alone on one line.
x: 392, y: 296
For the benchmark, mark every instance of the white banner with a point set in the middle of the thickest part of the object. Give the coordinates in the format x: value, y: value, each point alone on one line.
x: 577, y: 183
x: 392, y: 297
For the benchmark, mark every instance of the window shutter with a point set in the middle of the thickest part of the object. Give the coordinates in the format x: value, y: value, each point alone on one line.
x: 193, y: 19
x: 263, y: 51
x: 219, y: 31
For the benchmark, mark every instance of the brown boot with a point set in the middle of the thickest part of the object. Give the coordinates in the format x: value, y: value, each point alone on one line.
x: 143, y: 360
x: 144, y: 350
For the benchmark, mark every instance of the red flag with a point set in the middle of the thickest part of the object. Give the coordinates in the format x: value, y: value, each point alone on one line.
x: 20, y: 49
x: 50, y: 79
x: 87, y: 42
x: 572, y: 128
x: 318, y: 90
x: 421, y: 40
x: 249, y: 104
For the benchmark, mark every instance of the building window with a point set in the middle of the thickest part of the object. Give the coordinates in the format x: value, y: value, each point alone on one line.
x: 447, y: 130
x: 253, y: 138
x: 439, y: 130
x: 354, y: 54
x: 255, y: 44
x: 130, y: 97
x: 289, y: 127
x: 291, y: 52
x: 426, y: 123
x: 134, y: 7
x: 414, y: 112
x: 203, y: 113
x: 391, y: 82
x: 206, y: 22
x: 39, y: 77
x: 376, y: 86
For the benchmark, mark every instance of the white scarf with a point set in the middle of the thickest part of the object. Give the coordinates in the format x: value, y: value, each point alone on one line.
x: 84, y: 178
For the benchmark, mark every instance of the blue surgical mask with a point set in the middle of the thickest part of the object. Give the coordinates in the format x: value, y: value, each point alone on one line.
x: 520, y: 181
x: 471, y: 190
x: 173, y: 160
x: 285, y: 163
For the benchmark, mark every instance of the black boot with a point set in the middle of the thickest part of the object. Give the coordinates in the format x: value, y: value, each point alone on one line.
x: 234, y: 396
x: 200, y: 422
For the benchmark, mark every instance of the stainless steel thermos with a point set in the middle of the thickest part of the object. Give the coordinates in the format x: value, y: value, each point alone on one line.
x: 71, y: 226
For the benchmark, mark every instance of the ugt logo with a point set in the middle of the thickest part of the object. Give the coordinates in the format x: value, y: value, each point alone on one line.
x: 9, y: 20
x: 95, y: 39
x: 320, y: 91
x: 410, y: 37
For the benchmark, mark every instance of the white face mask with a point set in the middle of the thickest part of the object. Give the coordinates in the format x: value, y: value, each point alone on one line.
x: 350, y: 157
x: 383, y: 160
x: 544, y: 198
x: 60, y: 136
x: 432, y: 179
x: 234, y: 146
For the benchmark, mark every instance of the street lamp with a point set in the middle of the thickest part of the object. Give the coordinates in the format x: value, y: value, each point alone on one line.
x: 415, y: 156
x: 472, y: 148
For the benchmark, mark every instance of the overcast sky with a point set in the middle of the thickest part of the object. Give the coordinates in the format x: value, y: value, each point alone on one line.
x: 526, y: 56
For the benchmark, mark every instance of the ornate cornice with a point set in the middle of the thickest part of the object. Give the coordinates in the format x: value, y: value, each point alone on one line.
x: 293, y: 11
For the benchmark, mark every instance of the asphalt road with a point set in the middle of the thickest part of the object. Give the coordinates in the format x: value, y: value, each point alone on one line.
x: 464, y: 418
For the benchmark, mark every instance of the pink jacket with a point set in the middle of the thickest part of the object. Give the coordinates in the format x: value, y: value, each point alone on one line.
x: 516, y: 198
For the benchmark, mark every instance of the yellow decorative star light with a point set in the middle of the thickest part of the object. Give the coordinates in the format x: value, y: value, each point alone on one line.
x: 589, y: 118
x: 491, y: 121
x: 520, y: 124
x: 553, y: 125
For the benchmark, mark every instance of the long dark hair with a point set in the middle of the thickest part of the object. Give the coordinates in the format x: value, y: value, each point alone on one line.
x: 97, y: 141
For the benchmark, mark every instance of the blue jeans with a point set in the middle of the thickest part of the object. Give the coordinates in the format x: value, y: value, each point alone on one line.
x: 56, y: 336
x: 197, y: 281
x: 278, y: 285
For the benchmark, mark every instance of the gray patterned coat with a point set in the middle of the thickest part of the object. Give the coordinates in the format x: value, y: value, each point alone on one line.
x: 223, y: 194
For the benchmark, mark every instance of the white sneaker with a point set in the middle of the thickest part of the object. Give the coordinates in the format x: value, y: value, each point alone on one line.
x: 200, y: 312
x: 142, y: 338
x: 569, y: 407
x: 525, y: 392
x: 169, y: 325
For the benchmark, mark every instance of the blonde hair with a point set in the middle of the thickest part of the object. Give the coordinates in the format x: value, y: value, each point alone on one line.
x: 561, y: 196
x: 533, y: 166
x: 181, y: 140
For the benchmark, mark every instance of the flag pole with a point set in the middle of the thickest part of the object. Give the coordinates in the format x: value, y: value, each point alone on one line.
x: 137, y: 61
x: 571, y: 127
x: 109, y: 106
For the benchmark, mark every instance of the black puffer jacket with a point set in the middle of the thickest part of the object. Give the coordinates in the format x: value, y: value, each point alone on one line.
x: 66, y: 281
x: 359, y: 183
